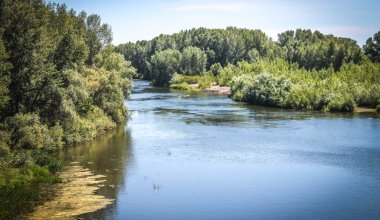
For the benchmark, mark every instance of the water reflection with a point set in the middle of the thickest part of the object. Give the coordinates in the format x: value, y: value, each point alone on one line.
x: 110, y: 156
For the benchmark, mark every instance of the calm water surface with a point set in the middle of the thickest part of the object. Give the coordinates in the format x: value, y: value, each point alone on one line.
x: 194, y: 156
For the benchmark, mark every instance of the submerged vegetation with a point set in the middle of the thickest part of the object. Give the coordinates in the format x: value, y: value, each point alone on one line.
x: 301, y: 70
x: 60, y: 84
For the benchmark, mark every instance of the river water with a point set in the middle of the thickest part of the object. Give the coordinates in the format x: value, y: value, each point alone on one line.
x: 198, y: 156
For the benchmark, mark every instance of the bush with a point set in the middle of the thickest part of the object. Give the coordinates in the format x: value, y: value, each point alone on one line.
x: 342, y: 104
x: 300, y: 96
x: 178, y: 79
x: 288, y: 86
x: 216, y: 69
x: 181, y: 86
x: 21, y: 188
x: 47, y: 160
x: 183, y: 82
x: 27, y: 131
x: 206, y: 81
x: 263, y: 89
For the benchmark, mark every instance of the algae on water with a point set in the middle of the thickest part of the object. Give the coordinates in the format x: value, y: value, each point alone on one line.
x: 76, y: 195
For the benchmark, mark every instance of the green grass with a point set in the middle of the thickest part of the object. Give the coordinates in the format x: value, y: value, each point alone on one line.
x: 180, y: 86
x: 21, y: 188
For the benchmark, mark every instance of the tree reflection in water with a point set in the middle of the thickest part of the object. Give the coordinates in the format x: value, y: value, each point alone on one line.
x: 92, y: 178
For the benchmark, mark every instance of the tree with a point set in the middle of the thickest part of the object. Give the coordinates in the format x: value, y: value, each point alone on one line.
x: 216, y: 69
x: 25, y: 39
x: 372, y: 48
x: 71, y: 52
x: 164, y: 65
x: 98, y: 35
x: 137, y: 53
x: 193, y: 61
x: 4, y: 76
x: 48, y: 97
x: 313, y: 50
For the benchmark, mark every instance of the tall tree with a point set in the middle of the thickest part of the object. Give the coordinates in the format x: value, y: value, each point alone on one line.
x: 25, y: 39
x: 372, y: 48
x: 193, y: 61
x: 164, y: 65
x: 4, y: 75
x: 98, y: 36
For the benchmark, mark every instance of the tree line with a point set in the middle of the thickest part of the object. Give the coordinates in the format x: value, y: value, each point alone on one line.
x: 61, y: 83
x: 215, y: 56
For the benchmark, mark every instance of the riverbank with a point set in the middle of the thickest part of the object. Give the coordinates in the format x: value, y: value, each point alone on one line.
x: 216, y: 89
x: 225, y: 90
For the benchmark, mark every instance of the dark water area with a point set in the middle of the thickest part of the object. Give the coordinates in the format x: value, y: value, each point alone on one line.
x: 199, y: 156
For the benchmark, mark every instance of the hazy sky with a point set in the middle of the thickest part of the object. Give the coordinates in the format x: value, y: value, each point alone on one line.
x: 143, y: 20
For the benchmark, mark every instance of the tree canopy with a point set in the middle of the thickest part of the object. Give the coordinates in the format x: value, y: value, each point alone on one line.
x: 308, y: 49
x: 372, y: 48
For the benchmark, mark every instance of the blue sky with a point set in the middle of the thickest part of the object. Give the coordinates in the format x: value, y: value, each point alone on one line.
x: 143, y: 20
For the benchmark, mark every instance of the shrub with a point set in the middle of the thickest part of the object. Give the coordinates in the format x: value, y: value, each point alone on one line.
x: 21, y: 188
x: 178, y: 78
x: 263, y: 89
x: 27, y: 131
x: 206, y: 81
x: 300, y: 96
x: 182, y: 82
x: 216, y: 69
x: 344, y: 103
x: 181, y: 86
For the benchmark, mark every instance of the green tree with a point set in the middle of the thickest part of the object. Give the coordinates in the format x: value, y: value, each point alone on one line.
x: 193, y: 61
x: 4, y: 76
x: 372, y: 48
x: 71, y: 52
x: 164, y: 65
x: 98, y: 35
x: 25, y: 39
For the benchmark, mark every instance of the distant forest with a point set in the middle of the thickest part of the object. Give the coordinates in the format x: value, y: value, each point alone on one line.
x: 302, y: 69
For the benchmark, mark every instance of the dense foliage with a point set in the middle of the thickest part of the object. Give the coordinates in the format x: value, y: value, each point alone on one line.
x: 202, y: 48
x: 302, y: 69
x: 372, y: 48
x: 278, y: 84
x: 60, y: 84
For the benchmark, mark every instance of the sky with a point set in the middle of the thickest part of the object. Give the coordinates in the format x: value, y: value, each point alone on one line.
x: 145, y: 19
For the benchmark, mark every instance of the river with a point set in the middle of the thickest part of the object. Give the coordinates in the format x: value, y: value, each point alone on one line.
x: 198, y: 156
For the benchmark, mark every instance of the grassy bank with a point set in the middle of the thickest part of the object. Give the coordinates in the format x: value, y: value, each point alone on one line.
x: 278, y: 84
x: 26, y: 178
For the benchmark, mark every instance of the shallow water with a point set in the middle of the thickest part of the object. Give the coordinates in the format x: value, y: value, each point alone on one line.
x: 197, y: 156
